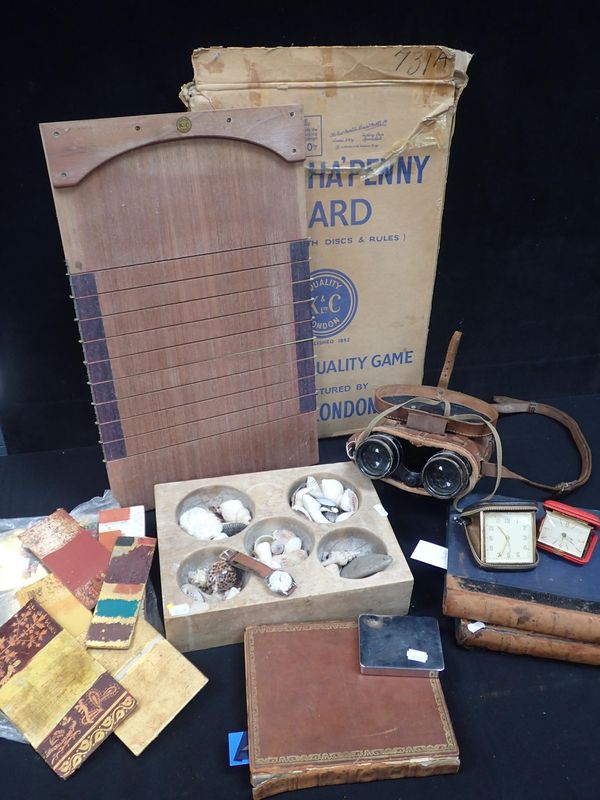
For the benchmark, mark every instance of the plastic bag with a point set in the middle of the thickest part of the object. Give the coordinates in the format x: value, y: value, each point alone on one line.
x: 20, y: 568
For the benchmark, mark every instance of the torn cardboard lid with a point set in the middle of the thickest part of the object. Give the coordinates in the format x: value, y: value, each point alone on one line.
x: 378, y: 124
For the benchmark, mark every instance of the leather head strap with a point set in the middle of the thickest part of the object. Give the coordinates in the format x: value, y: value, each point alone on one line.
x: 451, y: 352
x: 508, y: 405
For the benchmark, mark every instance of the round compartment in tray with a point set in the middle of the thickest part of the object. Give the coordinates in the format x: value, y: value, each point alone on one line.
x: 203, y: 559
x: 211, y: 498
x: 320, y: 477
x: 358, y: 541
x: 266, y: 527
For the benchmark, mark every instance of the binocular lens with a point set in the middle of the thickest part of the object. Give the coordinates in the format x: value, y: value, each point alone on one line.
x: 378, y: 456
x: 446, y: 475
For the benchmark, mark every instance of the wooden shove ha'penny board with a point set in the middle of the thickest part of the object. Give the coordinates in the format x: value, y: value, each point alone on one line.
x: 185, y: 242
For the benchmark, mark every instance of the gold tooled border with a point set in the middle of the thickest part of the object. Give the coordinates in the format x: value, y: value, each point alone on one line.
x: 122, y: 706
x: 256, y: 761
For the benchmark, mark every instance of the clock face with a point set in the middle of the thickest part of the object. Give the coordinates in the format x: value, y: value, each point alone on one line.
x: 564, y: 533
x: 508, y: 537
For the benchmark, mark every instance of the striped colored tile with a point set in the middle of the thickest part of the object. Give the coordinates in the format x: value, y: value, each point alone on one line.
x: 118, y: 606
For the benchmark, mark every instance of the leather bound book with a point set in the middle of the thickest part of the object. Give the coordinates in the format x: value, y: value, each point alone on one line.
x: 557, y: 598
x: 527, y: 643
x: 315, y: 720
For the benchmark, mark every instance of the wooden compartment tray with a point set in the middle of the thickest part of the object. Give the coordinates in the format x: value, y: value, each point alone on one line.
x: 319, y: 594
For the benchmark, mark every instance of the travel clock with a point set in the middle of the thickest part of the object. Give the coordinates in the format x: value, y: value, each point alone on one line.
x: 502, y: 535
x: 568, y: 532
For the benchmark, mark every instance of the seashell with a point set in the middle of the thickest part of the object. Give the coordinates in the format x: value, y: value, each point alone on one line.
x: 283, y: 534
x: 231, y: 528
x: 262, y: 551
x: 363, y: 566
x: 298, y: 495
x: 235, y: 511
x: 293, y: 544
x: 277, y: 547
x: 330, y: 516
x: 302, y: 510
x: 313, y: 508
x: 344, y: 516
x: 340, y: 557
x: 349, y: 501
x: 193, y: 592
x: 332, y: 488
x: 333, y: 568
x: 276, y: 561
x: 294, y: 558
x: 313, y: 487
x: 325, y: 501
x: 198, y: 577
x: 222, y: 576
x: 201, y: 523
x: 233, y: 592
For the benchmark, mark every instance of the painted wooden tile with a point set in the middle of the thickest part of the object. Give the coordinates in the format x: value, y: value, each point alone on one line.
x: 119, y: 602
x: 71, y: 553
x: 61, y: 604
x: 115, y: 522
x: 161, y: 679
x: 62, y: 700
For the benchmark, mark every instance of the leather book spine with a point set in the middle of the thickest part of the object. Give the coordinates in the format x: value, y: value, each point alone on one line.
x: 364, y: 772
x: 462, y: 601
x: 506, y: 640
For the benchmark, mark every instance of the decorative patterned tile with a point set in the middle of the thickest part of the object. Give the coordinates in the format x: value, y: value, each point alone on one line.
x: 55, y: 692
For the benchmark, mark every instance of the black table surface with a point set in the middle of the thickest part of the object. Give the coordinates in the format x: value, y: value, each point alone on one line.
x: 525, y: 726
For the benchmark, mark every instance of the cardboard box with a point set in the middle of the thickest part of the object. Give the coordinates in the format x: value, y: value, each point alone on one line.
x: 378, y: 124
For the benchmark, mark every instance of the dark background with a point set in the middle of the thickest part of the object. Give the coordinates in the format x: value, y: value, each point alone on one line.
x: 518, y: 270
x: 518, y: 266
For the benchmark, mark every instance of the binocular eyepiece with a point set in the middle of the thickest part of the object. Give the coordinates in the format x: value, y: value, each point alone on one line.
x: 444, y: 474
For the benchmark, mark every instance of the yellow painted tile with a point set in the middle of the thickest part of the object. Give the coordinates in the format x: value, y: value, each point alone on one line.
x: 39, y: 696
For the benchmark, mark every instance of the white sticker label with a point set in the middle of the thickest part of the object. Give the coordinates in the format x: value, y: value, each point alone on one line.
x: 430, y: 553
x: 416, y: 655
x: 475, y: 626
x: 179, y: 610
x: 380, y: 509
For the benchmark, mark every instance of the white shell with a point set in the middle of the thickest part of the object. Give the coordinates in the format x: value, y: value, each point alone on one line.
x: 262, y: 551
x: 349, y: 501
x: 295, y: 543
x: 198, y: 577
x: 193, y: 592
x: 312, y: 484
x: 344, y: 516
x: 332, y: 488
x: 277, y: 547
x: 340, y: 557
x: 298, y: 495
x: 314, y: 509
x: 302, y: 510
x: 232, y: 592
x: 283, y: 534
x: 333, y: 568
x: 202, y: 524
x: 235, y: 511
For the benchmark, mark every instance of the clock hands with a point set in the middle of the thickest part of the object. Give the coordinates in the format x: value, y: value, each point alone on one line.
x: 506, y: 543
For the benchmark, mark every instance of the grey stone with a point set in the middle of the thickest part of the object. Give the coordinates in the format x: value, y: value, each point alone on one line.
x: 363, y: 566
